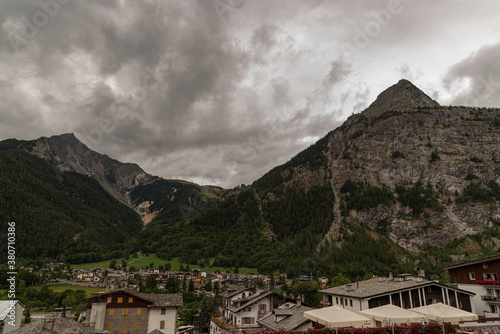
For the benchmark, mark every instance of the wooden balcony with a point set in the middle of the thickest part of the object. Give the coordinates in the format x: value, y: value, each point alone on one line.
x: 222, y: 323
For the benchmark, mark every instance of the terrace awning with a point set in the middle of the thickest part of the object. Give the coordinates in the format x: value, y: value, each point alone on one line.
x: 393, y: 314
x: 336, y: 316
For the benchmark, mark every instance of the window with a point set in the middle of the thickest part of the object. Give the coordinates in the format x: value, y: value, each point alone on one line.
x: 376, y: 304
x: 350, y: 301
x: 130, y: 299
x: 162, y: 324
x: 137, y: 325
x: 163, y: 311
x: 139, y: 311
x: 110, y: 299
x: 111, y: 311
x: 336, y: 300
x: 493, y: 308
x: 490, y: 277
x: 124, y: 328
x: 248, y: 320
x: 120, y: 300
x: 472, y: 276
x: 125, y: 311
x: 110, y: 327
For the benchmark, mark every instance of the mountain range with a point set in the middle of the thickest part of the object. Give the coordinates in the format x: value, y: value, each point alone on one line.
x: 405, y: 182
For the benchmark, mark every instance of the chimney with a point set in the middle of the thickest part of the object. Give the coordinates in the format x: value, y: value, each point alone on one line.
x: 421, y: 272
x: 48, y: 323
x: 390, y: 275
x: 299, y: 301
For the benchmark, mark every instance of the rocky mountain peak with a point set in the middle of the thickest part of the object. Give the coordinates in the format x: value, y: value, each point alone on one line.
x: 402, y: 96
x: 68, y: 153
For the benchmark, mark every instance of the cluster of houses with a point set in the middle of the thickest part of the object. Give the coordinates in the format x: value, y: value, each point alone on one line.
x: 121, y: 278
x: 475, y: 287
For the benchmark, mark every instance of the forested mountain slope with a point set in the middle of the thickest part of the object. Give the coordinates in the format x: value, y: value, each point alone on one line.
x: 405, y: 180
x: 63, y: 215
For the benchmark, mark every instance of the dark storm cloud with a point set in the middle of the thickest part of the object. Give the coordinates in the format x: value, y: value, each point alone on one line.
x: 214, y: 91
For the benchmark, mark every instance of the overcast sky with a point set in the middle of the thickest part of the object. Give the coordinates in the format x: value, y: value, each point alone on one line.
x: 221, y: 91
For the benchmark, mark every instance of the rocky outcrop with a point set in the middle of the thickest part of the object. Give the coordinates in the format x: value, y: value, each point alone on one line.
x: 69, y: 154
x: 405, y: 137
x: 127, y: 182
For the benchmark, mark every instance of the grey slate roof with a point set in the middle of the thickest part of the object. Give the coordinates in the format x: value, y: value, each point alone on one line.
x: 295, y: 318
x: 156, y: 300
x: 250, y: 301
x: 489, y: 259
x: 156, y: 331
x: 380, y: 286
x: 233, y: 292
x: 4, y: 308
x: 169, y: 300
x: 61, y: 326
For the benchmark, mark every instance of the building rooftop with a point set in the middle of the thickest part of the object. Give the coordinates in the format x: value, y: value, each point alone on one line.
x: 381, y: 285
x: 251, y: 300
x: 51, y: 326
x: 233, y: 291
x: 294, y: 318
x: 156, y: 300
x: 4, y: 308
x: 489, y: 259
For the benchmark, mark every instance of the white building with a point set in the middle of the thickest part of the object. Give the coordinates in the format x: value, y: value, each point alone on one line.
x: 129, y: 311
x: 481, y: 278
x: 406, y: 291
x: 11, y: 314
x: 242, y: 308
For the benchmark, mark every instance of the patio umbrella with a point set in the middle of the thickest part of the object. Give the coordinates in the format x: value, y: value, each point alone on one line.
x: 336, y: 316
x: 393, y: 314
x: 442, y: 312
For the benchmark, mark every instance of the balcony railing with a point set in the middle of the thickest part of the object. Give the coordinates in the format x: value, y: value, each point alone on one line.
x: 223, y: 324
x: 488, y: 298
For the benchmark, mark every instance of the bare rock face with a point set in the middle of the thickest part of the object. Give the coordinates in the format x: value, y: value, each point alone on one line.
x: 402, y: 139
x: 402, y: 96
x: 405, y: 137
x: 127, y: 182
x: 70, y: 154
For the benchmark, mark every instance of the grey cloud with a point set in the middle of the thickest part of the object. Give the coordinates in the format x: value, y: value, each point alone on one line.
x: 482, y: 71
x: 188, y: 91
x: 264, y: 36
x: 339, y: 71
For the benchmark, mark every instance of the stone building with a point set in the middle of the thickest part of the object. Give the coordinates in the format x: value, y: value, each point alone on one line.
x: 129, y: 311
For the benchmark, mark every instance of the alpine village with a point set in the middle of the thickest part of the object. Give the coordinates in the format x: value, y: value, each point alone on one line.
x: 389, y: 223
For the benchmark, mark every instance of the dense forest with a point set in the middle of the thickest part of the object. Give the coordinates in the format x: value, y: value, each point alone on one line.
x: 62, y: 215
x: 277, y: 223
